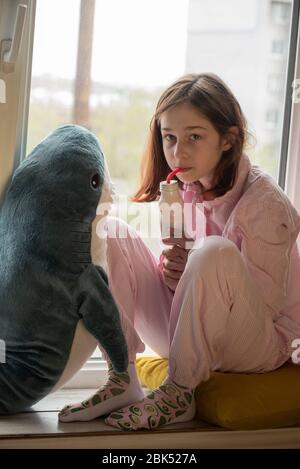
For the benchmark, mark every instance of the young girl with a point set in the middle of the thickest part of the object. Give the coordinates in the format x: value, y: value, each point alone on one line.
x: 232, y: 301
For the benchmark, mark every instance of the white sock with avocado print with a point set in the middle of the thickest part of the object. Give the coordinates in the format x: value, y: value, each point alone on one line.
x: 120, y: 390
x: 169, y: 403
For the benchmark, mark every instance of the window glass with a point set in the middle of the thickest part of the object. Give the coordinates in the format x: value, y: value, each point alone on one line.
x: 246, y: 54
x: 139, y: 47
x: 277, y: 47
x: 281, y: 12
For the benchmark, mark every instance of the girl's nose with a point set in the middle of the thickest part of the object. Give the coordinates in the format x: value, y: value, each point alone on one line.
x: 179, y: 150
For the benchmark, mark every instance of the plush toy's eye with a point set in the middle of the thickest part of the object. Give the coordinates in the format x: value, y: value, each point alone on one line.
x: 95, y: 181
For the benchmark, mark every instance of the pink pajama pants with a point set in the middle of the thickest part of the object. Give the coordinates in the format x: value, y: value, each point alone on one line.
x: 215, y: 320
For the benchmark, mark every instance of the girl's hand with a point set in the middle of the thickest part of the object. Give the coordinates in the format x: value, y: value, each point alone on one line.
x: 175, y: 259
x: 183, y: 241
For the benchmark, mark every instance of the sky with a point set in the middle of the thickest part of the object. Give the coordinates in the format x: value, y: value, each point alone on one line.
x: 136, y: 42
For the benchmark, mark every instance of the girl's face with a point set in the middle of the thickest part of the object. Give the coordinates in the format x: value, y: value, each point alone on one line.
x: 190, y: 141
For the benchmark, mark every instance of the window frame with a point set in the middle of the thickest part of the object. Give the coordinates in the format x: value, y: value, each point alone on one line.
x: 288, y: 157
x: 14, y: 133
x: 290, y: 167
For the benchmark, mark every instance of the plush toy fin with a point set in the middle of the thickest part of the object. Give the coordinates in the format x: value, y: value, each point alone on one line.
x: 100, y: 315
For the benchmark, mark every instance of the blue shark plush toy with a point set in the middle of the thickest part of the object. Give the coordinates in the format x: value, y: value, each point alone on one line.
x: 47, y: 280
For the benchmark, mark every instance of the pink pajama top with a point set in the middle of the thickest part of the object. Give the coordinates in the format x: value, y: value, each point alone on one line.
x: 262, y: 222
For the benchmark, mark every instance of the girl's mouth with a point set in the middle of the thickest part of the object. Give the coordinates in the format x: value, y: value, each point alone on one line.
x: 185, y: 170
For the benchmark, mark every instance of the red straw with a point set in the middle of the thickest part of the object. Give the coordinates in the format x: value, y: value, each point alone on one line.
x: 173, y: 173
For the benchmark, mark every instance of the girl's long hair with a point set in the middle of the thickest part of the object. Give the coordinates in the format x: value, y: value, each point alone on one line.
x: 212, y: 97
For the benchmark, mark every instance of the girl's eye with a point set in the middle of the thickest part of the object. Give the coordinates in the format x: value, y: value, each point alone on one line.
x: 196, y: 137
x: 95, y: 181
x: 169, y: 137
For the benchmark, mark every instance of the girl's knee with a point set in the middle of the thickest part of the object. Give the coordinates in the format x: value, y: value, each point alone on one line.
x: 207, y: 252
x: 126, y: 251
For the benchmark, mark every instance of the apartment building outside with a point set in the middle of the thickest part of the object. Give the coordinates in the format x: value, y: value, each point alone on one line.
x: 246, y: 43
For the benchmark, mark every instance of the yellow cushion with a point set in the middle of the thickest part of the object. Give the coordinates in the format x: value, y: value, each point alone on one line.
x: 238, y: 401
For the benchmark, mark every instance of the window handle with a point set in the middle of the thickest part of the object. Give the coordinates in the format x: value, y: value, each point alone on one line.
x: 10, y: 47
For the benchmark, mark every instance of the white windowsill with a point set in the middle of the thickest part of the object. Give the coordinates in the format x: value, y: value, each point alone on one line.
x: 41, y: 429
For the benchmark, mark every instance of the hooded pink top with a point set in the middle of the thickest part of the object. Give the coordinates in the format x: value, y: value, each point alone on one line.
x: 260, y: 219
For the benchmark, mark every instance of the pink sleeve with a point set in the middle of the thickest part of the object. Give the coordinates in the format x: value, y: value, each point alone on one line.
x: 268, y: 232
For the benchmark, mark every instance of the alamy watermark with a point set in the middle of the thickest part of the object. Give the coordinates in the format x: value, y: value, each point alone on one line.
x: 2, y: 351
x: 2, y: 91
x: 151, y: 221
x: 296, y: 353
